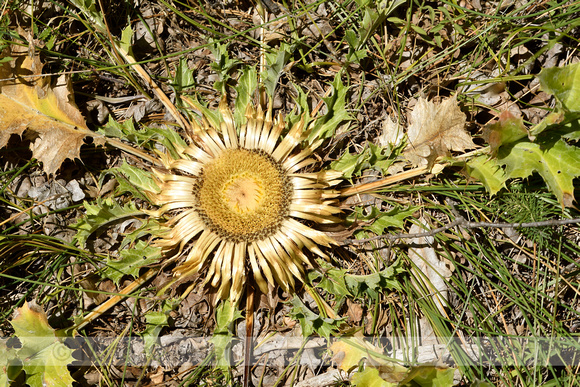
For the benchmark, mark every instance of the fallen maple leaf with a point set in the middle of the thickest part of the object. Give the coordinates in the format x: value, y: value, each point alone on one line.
x: 435, y: 130
x: 45, y: 114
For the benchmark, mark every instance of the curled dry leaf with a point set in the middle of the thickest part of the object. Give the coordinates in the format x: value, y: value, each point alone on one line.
x: 44, y: 113
x: 435, y: 130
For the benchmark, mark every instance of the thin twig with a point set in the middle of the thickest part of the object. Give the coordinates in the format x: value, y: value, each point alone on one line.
x: 462, y: 222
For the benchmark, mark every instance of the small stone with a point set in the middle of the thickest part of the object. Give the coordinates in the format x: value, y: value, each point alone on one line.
x: 75, y: 190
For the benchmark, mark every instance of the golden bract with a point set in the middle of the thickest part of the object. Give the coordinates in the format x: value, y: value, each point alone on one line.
x: 235, y: 199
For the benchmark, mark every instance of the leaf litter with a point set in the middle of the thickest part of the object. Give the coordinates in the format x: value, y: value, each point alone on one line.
x: 422, y: 148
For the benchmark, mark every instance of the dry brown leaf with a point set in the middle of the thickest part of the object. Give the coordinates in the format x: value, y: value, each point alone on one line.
x: 44, y: 113
x: 435, y: 130
x: 355, y: 311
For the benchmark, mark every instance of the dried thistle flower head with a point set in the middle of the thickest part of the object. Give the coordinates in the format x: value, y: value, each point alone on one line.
x: 235, y: 199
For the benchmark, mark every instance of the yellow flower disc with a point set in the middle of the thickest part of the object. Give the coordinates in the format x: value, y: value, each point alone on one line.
x: 243, y: 195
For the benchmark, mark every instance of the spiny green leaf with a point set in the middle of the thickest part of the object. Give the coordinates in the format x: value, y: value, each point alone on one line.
x: 325, y: 126
x: 550, y: 121
x: 332, y: 281
x: 369, y: 377
x: 311, y: 322
x: 557, y: 162
x: 155, y: 323
x: 213, y: 116
x: 118, y: 129
x: 395, y: 217
x: 156, y: 320
x: 8, y: 364
x: 226, y: 314
x: 375, y: 13
x: 126, y: 36
x: 561, y: 123
x: 506, y: 130
x: 32, y: 328
x: 571, y: 127
x: 149, y: 227
x: 145, y: 137
x: 355, y: 54
x: 342, y: 284
x: 380, y: 158
x: 222, y: 65
x: 246, y: 87
x: 430, y: 376
x: 549, y: 155
x: 381, y: 372
x: 302, y: 110
x: 372, y: 284
x: 564, y: 84
x: 49, y: 367
x: 131, y: 261
x: 354, y: 349
x: 392, y: 218
x: 349, y: 164
x: 351, y: 38
x: 275, y: 63
x: 373, y: 157
x: 488, y: 171
x: 102, y: 214
x: 134, y: 180
x: 184, y: 78
x: 44, y: 357
x: 89, y: 9
x: 167, y: 137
